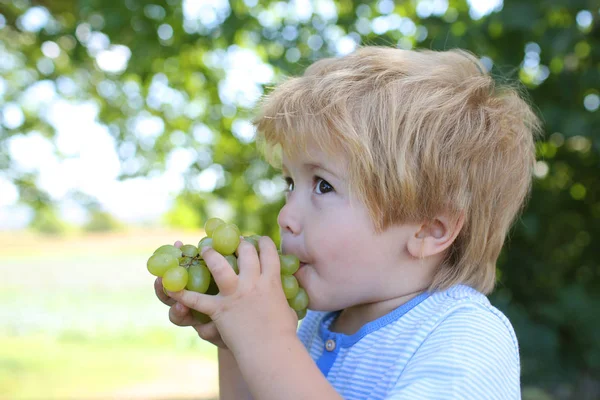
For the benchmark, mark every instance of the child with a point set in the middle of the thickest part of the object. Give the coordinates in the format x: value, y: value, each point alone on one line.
x: 405, y: 170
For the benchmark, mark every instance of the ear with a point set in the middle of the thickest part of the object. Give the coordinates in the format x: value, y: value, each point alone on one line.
x: 435, y: 236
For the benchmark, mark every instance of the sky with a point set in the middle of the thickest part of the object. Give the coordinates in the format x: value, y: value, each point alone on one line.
x: 93, y: 164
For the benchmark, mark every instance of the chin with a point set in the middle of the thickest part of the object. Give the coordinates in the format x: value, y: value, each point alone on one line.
x: 322, y: 309
x: 315, y: 305
x: 303, y: 275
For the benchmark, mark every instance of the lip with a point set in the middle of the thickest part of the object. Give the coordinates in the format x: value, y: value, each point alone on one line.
x: 290, y: 251
x: 300, y: 268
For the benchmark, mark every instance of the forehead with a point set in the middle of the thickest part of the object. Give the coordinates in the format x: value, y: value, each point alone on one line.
x: 312, y: 157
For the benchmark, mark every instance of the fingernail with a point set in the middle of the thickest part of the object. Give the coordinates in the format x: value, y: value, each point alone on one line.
x: 204, y: 249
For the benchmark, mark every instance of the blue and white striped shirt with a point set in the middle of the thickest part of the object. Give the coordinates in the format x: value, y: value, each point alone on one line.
x: 451, y: 344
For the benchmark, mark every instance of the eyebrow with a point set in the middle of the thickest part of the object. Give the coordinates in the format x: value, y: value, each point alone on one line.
x: 312, y: 166
x: 319, y: 166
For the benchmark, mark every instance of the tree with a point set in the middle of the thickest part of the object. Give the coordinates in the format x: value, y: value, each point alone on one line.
x: 166, y: 62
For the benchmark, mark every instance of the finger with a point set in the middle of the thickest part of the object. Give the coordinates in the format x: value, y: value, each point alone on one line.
x: 248, y: 262
x: 162, y: 296
x: 200, y: 302
x: 180, y: 315
x: 269, y: 258
x: 209, y: 332
x: 178, y: 244
x: 237, y: 251
x: 222, y: 273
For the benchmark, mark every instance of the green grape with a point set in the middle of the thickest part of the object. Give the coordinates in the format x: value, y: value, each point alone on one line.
x: 203, y: 318
x: 290, y: 286
x: 226, y: 239
x: 256, y: 237
x: 175, y: 279
x: 205, y: 242
x: 301, y: 314
x: 252, y: 241
x: 197, y: 261
x: 239, y: 233
x: 189, y: 250
x: 159, y: 263
x: 300, y: 301
x: 198, y: 278
x: 213, y: 289
x: 168, y: 249
x: 185, y: 261
x: 211, y: 224
x: 289, y: 264
x: 232, y: 260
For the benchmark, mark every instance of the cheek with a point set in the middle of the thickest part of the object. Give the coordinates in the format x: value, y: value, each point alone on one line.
x: 341, y: 241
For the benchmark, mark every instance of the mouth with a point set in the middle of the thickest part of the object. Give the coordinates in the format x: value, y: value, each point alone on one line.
x: 286, y: 251
x: 300, y: 268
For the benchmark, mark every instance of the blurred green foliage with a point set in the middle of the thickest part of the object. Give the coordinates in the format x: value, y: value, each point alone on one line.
x: 549, y: 271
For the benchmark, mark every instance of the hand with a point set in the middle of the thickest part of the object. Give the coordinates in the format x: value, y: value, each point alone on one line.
x: 250, y: 307
x: 180, y: 315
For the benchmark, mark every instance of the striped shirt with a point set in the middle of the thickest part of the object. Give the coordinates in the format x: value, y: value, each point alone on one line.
x: 450, y: 344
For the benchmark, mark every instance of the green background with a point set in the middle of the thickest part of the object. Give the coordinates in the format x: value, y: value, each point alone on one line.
x: 549, y: 272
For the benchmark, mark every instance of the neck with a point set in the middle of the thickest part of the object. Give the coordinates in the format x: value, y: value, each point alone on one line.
x: 396, y: 289
x: 353, y: 318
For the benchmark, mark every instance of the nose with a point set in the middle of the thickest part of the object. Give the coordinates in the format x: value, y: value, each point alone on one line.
x: 289, y: 219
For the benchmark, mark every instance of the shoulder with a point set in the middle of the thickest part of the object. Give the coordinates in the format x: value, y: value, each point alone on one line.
x: 462, y: 310
x: 470, y: 346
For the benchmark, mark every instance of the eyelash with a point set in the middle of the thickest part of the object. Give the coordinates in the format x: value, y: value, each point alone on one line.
x: 316, y: 179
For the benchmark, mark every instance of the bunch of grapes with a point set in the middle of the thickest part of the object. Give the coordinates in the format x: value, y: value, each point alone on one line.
x: 184, y: 268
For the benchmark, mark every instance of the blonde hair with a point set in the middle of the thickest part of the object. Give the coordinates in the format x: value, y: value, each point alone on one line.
x: 424, y: 132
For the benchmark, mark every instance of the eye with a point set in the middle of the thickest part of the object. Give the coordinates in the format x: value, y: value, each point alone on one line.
x: 290, y: 184
x: 322, y: 186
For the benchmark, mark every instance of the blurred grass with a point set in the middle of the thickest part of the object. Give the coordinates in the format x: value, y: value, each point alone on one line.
x: 73, y: 366
x: 79, y: 320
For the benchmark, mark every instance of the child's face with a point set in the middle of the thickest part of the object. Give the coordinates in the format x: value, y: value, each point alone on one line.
x: 344, y: 262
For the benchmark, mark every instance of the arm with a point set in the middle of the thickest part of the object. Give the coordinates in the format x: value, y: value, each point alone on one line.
x: 257, y: 324
x: 231, y: 383
x: 283, y: 366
